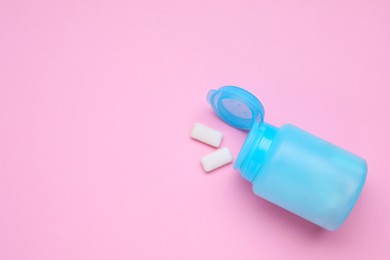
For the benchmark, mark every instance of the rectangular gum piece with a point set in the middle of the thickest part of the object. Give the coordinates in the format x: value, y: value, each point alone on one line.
x: 206, y: 135
x: 216, y: 159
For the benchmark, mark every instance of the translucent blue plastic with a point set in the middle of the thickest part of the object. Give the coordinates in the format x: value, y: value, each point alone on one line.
x: 289, y: 166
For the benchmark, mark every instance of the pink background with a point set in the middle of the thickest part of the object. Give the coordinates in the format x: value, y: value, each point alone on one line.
x: 97, y: 99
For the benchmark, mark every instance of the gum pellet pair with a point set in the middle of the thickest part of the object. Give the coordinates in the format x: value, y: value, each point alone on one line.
x: 211, y: 137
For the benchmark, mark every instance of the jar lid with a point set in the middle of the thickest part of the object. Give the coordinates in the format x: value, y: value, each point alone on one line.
x: 236, y: 106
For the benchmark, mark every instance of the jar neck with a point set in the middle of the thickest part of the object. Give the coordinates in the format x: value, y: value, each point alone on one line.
x: 254, y: 150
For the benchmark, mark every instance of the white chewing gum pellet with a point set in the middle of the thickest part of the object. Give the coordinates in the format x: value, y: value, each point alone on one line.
x: 216, y: 159
x: 206, y: 135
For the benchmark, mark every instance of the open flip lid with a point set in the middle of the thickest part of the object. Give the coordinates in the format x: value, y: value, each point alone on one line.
x: 236, y: 106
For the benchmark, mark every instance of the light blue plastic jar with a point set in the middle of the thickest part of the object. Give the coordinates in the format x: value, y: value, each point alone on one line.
x: 290, y: 167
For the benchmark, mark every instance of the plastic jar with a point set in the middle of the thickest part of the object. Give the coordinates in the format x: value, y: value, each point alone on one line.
x: 290, y: 167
